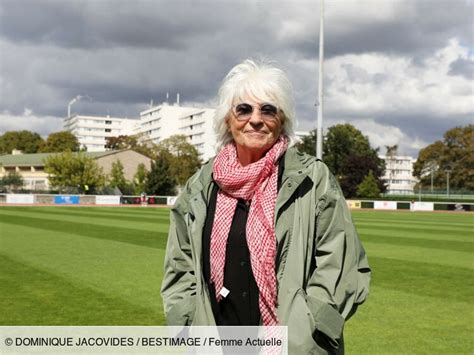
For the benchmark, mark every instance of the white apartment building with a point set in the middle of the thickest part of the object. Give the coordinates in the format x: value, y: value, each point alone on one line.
x: 92, y: 131
x: 160, y: 122
x: 399, y: 174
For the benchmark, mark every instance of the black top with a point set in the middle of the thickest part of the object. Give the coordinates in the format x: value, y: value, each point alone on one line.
x: 240, y: 307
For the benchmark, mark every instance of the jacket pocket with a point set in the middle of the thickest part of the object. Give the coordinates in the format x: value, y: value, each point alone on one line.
x: 181, y: 312
x: 294, y: 313
x: 303, y: 334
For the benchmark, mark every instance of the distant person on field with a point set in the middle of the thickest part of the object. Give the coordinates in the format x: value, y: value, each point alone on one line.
x: 262, y: 235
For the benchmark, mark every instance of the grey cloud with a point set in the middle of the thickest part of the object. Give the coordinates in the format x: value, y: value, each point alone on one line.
x: 361, y: 76
x: 40, y: 125
x: 463, y: 67
x: 99, y: 24
x: 427, y: 125
x: 418, y: 28
x: 36, y: 21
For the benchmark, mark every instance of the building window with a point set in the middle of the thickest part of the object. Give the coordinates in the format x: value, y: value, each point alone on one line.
x: 107, y: 130
x: 108, y: 122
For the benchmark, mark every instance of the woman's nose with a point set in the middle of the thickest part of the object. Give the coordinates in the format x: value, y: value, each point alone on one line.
x: 256, y: 116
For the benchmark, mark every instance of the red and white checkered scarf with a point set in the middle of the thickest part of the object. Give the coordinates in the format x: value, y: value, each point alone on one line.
x: 256, y: 182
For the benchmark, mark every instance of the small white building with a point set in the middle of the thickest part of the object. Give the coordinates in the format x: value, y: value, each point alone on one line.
x: 160, y: 122
x: 399, y: 174
x: 92, y: 131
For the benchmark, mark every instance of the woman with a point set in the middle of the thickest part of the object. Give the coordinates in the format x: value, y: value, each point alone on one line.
x: 262, y: 233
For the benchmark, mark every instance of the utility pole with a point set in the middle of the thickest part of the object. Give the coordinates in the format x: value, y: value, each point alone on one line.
x: 73, y: 101
x: 432, y: 167
x: 319, y: 127
x: 77, y: 98
x: 447, y: 181
x: 432, y: 180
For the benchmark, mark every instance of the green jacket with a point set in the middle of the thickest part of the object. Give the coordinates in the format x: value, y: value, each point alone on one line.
x: 322, y: 270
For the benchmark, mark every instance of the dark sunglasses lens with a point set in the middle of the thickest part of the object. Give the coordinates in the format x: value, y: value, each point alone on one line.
x: 269, y: 110
x: 243, y: 109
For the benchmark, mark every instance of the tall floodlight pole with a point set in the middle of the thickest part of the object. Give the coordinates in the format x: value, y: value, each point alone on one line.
x: 319, y: 127
x: 432, y: 168
x: 77, y: 98
x: 448, y: 171
x: 431, y: 179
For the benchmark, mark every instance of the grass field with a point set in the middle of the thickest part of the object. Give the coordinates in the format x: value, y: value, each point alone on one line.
x: 103, y: 266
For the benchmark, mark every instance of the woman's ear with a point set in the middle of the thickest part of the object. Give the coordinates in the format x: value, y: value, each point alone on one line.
x: 226, y: 120
x: 282, y: 121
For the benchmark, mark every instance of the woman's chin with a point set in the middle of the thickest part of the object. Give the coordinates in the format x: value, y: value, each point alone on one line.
x: 257, y: 142
x: 255, y: 147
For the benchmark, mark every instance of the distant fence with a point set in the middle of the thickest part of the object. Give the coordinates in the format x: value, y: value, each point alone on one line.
x: 72, y: 199
x: 435, y: 194
x: 113, y: 200
x: 412, y: 205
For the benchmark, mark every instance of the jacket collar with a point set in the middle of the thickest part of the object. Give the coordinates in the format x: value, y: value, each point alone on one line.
x: 296, y: 165
x: 296, y: 170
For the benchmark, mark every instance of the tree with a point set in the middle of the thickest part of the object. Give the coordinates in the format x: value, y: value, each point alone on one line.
x: 368, y: 187
x: 139, y: 179
x: 455, y: 153
x: 120, y: 142
x: 117, y: 177
x: 429, y: 163
x: 60, y: 142
x: 74, y: 172
x: 308, y: 143
x: 182, y: 156
x: 356, y: 168
x: 159, y: 180
x: 11, y: 181
x: 26, y: 141
x: 459, y: 156
x: 341, y: 141
x: 348, y: 154
x: 131, y: 142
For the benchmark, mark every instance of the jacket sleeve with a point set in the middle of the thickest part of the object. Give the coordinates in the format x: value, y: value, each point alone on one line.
x: 340, y: 281
x: 178, y: 289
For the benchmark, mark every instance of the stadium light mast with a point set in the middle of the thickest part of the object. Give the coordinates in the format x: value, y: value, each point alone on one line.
x: 74, y: 100
x: 319, y: 127
x: 448, y: 171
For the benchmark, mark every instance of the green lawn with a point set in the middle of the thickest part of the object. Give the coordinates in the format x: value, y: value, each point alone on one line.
x: 103, y: 266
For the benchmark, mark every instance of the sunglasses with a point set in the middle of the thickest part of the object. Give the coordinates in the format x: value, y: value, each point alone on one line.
x: 243, y: 111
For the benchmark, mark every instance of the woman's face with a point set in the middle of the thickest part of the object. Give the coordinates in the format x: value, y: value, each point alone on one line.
x: 255, y: 127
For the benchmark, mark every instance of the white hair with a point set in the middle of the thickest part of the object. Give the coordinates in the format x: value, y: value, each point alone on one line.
x: 262, y: 81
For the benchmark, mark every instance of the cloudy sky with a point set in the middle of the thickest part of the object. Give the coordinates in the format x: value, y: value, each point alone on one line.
x: 402, y: 71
